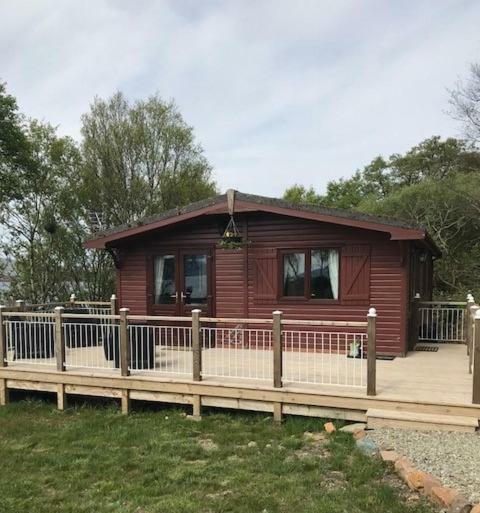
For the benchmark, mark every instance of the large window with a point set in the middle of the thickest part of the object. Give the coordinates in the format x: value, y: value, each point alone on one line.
x: 311, y: 273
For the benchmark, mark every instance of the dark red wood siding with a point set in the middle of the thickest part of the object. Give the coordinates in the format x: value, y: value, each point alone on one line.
x: 382, y: 276
x: 230, y: 284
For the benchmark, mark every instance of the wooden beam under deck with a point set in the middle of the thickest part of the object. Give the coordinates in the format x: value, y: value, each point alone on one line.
x: 317, y: 402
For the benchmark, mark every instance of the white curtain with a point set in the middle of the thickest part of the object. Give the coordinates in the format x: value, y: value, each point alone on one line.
x: 158, y: 268
x: 333, y: 271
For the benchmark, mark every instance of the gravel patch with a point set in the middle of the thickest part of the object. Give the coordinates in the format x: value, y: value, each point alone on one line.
x: 453, y: 457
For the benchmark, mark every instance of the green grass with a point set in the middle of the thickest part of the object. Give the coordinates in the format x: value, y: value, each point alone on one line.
x: 93, y: 459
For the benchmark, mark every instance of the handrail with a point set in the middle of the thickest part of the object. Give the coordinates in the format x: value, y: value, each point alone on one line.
x: 229, y: 320
x: 453, y: 303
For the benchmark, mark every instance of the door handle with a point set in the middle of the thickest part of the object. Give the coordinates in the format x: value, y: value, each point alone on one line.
x: 182, y: 296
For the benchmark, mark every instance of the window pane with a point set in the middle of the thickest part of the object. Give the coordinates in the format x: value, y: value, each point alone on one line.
x: 294, y: 274
x: 195, y: 279
x: 324, y: 278
x: 164, y: 276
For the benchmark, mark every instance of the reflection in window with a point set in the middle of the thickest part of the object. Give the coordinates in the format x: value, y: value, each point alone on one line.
x: 195, y: 278
x: 324, y: 274
x: 294, y: 274
x: 164, y: 276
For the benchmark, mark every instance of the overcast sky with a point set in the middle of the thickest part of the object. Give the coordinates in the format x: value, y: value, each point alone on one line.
x: 278, y: 91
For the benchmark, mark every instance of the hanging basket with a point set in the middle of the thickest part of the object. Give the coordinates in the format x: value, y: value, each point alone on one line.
x: 231, y: 238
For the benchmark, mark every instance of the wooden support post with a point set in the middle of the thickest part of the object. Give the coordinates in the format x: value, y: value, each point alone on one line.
x: 113, y: 304
x: 468, y: 322
x: 72, y: 300
x: 277, y: 349
x: 59, y: 339
x: 3, y: 392
x: 125, y: 402
x: 371, y: 352
x: 61, y: 397
x: 3, y: 339
x: 124, y: 343
x: 471, y: 331
x: 197, y: 407
x: 277, y: 412
x: 21, y: 306
x: 476, y: 360
x: 415, y: 319
x: 196, y: 346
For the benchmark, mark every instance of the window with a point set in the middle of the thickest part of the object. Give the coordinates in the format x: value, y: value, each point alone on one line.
x: 312, y: 274
x: 195, y: 270
x: 164, y: 280
x: 294, y: 274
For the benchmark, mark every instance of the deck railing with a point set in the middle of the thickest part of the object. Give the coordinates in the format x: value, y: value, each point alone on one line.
x: 277, y: 350
x: 441, y: 321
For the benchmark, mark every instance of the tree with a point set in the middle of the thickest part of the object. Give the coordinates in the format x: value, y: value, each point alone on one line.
x: 140, y: 158
x: 36, y: 237
x: 449, y: 210
x: 302, y: 196
x: 465, y: 101
x: 15, y: 151
x: 430, y: 185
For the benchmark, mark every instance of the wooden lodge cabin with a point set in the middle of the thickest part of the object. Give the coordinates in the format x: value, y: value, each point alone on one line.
x: 309, y: 262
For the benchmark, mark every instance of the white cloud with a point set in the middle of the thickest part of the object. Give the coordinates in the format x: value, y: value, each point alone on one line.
x: 278, y: 91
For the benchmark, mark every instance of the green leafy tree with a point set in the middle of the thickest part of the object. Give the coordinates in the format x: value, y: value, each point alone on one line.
x: 15, y: 151
x: 448, y: 209
x: 434, y: 185
x: 140, y: 158
x: 35, y: 236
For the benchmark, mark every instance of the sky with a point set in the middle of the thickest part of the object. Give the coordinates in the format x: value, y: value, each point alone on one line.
x: 278, y: 92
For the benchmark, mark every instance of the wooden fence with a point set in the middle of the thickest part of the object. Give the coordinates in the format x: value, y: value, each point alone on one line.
x: 277, y: 350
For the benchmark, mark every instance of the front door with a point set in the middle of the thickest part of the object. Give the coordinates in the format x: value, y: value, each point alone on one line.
x: 181, y: 282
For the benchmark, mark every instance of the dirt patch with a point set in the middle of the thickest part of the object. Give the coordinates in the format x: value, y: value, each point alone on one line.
x: 207, y: 444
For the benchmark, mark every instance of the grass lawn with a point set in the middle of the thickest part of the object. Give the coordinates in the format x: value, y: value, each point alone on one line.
x: 93, y: 459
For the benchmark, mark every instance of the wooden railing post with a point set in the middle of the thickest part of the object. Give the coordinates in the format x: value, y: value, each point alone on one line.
x: 3, y: 358
x: 21, y: 306
x: 277, y: 349
x: 3, y: 339
x: 415, y: 319
x: 471, y: 331
x: 467, y: 324
x: 476, y: 359
x: 196, y: 346
x: 59, y: 339
x: 371, y: 352
x: 113, y: 304
x: 124, y: 343
x: 72, y: 300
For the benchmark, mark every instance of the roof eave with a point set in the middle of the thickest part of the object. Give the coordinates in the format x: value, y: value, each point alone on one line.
x: 396, y: 232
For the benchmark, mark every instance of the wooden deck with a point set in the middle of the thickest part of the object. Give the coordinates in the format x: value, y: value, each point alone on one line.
x: 423, y: 382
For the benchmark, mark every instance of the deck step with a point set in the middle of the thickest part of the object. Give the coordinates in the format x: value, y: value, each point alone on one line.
x: 420, y: 421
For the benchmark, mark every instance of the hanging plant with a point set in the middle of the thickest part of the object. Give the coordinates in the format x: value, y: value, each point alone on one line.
x: 231, y: 235
x: 230, y: 244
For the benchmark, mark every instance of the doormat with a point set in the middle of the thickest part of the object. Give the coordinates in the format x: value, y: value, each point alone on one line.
x: 427, y: 349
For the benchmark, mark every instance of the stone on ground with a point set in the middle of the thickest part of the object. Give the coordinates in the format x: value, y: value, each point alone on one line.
x: 353, y: 428
x: 367, y: 446
x: 443, y: 496
x: 329, y: 427
x: 389, y: 456
x: 460, y: 505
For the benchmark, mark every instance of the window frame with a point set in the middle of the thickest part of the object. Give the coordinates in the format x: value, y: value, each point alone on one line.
x: 307, y: 251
